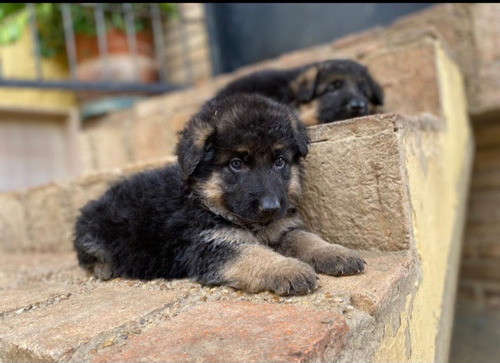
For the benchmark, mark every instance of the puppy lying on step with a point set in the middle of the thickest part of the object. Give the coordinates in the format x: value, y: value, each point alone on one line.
x: 225, y: 214
x: 321, y: 92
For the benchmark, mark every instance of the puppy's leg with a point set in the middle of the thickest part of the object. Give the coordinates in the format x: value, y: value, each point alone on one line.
x: 258, y: 268
x: 331, y: 259
x: 238, y: 260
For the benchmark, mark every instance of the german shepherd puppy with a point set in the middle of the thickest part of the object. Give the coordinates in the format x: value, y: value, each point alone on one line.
x: 322, y: 92
x: 225, y: 214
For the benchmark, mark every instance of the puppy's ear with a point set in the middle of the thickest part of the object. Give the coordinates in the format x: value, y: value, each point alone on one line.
x: 301, y: 137
x: 305, y: 84
x: 377, y: 93
x: 194, y: 144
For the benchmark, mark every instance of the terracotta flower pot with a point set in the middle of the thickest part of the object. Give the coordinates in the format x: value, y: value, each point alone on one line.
x: 120, y: 59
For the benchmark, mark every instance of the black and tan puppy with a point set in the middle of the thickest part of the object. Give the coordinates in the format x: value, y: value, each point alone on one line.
x: 226, y: 214
x: 321, y: 92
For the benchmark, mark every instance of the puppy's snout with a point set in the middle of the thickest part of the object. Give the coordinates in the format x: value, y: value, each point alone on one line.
x: 269, y: 205
x: 356, y: 106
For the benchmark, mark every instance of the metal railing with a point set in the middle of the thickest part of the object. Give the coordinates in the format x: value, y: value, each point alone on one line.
x: 156, y: 17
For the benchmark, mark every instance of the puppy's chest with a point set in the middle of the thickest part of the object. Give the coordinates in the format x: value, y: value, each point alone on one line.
x: 273, y: 233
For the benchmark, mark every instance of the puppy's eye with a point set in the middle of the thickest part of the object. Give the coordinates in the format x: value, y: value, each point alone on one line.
x: 337, y: 84
x: 236, y: 164
x: 280, y: 162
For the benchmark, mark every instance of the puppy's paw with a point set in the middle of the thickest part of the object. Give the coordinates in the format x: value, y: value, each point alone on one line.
x: 103, y: 271
x: 338, y: 261
x: 291, y: 277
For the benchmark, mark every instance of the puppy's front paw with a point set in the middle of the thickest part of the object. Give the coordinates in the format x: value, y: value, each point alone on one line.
x: 338, y: 261
x: 291, y: 277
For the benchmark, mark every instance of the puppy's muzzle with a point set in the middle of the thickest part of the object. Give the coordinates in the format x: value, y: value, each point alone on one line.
x: 356, y: 107
x: 269, y: 206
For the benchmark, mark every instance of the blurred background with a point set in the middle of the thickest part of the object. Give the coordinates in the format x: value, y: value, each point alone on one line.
x: 68, y: 68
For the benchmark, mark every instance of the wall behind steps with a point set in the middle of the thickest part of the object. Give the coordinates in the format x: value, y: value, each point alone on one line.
x: 18, y: 62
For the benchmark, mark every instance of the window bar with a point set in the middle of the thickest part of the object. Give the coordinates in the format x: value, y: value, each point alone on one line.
x: 131, y: 37
x: 101, y: 39
x: 69, y: 37
x: 158, y: 39
x: 36, y: 42
x: 185, y: 50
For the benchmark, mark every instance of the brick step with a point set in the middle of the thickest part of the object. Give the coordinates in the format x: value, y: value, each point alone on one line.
x: 391, y: 185
x: 51, y: 310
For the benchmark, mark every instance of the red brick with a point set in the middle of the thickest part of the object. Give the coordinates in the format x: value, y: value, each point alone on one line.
x: 486, y: 180
x: 481, y: 270
x: 482, y: 232
x: 490, y: 250
x: 484, y: 206
x: 487, y: 159
x: 487, y: 135
x: 235, y: 332
x: 54, y: 332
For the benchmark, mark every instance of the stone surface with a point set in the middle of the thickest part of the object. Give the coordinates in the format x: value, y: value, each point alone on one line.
x: 238, y: 332
x: 354, y: 181
x: 19, y: 268
x: 374, y: 290
x: 54, y: 332
x: 42, y: 219
x: 13, y: 225
x: 48, y: 210
x: 408, y: 72
x: 32, y: 294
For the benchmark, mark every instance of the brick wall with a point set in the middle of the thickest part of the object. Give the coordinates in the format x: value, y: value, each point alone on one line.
x: 187, y: 45
x: 480, y: 275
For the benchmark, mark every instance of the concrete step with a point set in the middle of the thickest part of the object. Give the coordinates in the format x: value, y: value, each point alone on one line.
x: 391, y: 185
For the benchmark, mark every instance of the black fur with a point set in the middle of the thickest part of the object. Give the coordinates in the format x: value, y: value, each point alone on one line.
x: 343, y: 88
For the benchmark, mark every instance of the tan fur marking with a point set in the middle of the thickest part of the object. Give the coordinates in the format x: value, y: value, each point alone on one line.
x: 308, y: 112
x: 202, y: 135
x: 307, y: 77
x: 278, y: 147
x: 211, y: 190
x: 258, y: 268
x: 212, y: 197
x: 327, y: 258
x: 272, y: 232
x: 228, y: 235
x: 243, y: 149
x: 295, y: 187
x: 302, y: 244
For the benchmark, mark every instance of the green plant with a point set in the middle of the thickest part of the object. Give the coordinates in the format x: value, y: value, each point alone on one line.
x: 14, y: 18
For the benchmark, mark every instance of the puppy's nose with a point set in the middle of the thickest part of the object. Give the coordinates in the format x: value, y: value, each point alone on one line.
x: 356, y: 105
x: 269, y: 204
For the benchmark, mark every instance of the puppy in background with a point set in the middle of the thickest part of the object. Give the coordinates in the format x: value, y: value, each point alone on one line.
x: 226, y: 214
x: 321, y: 92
